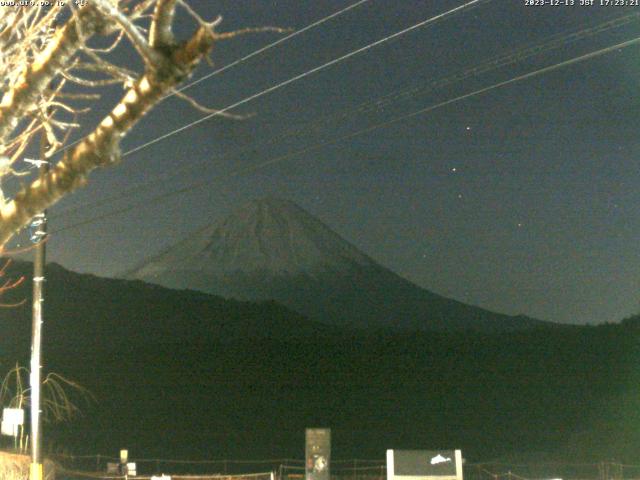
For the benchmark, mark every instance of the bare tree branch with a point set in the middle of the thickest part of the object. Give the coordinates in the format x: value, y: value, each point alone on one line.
x: 161, y: 33
x: 194, y: 103
x: 138, y: 40
x: 41, y: 85
x: 102, y: 147
x: 35, y: 79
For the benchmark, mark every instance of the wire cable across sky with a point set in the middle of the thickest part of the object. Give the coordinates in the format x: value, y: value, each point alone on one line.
x: 243, y: 59
x: 493, y: 63
x: 250, y: 169
x: 317, y: 69
x: 267, y: 47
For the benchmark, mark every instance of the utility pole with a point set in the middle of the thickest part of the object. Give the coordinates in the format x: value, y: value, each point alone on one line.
x: 40, y: 224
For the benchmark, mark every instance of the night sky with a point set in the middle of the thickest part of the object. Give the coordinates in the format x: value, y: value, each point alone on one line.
x: 522, y: 200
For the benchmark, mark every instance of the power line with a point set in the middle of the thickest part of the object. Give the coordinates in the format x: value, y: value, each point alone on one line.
x: 319, y: 68
x: 267, y: 47
x: 519, y: 78
x: 248, y: 56
x: 243, y: 171
x: 493, y: 63
x: 430, y: 20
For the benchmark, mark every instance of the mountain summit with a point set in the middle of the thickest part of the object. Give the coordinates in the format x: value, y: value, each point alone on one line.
x: 272, y: 249
x: 270, y: 235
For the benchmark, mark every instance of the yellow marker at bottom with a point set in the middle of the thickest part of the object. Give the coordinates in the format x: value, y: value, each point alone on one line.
x: 35, y: 471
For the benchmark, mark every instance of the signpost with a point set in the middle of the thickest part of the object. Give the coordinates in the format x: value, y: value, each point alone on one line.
x: 424, y: 465
x: 124, y: 467
x: 317, y: 453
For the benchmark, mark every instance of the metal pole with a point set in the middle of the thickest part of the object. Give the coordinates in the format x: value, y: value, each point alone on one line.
x: 36, y: 338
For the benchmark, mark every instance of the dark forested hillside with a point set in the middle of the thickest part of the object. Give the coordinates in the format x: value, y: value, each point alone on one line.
x: 244, y: 380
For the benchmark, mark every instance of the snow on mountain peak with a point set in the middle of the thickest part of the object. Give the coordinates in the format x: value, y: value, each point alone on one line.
x: 269, y: 235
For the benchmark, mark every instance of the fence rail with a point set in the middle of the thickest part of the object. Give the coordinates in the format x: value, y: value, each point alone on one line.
x: 95, y: 466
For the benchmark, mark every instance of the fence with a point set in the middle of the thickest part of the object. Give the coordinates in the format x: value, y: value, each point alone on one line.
x: 552, y: 471
x: 95, y: 467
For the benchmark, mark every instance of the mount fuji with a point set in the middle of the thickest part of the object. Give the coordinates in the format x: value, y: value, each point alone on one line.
x: 272, y: 249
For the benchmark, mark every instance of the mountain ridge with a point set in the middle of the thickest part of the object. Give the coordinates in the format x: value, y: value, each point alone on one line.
x: 243, y: 380
x: 83, y: 310
x: 272, y: 248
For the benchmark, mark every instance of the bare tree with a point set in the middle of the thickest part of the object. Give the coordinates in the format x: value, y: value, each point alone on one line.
x: 48, y: 53
x: 61, y: 398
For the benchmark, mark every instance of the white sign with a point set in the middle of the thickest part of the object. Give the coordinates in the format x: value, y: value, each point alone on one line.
x: 131, y: 469
x: 424, y: 465
x: 13, y: 415
x: 12, y: 418
x: 9, y: 429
